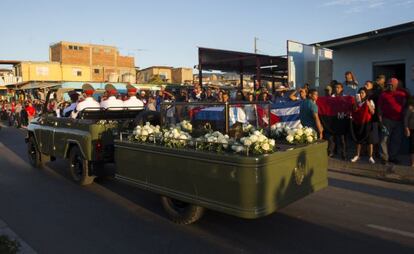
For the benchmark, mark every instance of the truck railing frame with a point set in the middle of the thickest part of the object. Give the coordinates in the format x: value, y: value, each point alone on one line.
x: 227, y: 105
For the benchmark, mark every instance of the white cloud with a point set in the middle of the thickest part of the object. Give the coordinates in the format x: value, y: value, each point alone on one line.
x: 405, y: 3
x: 356, y: 6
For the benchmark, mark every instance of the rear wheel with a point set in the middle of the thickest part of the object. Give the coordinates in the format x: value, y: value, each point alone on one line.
x: 79, y: 167
x: 181, y: 212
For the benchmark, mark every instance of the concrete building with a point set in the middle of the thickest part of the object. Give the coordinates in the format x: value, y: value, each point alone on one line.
x: 105, y: 62
x: 167, y: 74
x: 388, y: 51
x: 51, y: 71
x: 182, y: 75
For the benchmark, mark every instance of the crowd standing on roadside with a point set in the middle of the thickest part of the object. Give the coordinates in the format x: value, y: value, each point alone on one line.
x: 382, y: 113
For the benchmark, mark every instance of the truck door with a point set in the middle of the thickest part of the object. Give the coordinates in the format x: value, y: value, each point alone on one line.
x: 48, y: 123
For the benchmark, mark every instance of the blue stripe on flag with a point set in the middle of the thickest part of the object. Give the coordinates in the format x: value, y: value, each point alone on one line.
x: 286, y: 104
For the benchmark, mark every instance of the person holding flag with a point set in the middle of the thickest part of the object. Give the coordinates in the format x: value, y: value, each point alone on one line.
x: 309, y: 113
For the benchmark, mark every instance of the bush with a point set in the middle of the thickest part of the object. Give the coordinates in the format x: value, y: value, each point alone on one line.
x: 8, y: 246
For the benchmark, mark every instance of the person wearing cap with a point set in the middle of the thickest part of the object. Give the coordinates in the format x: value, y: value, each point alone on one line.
x: 74, y: 96
x: 143, y: 97
x: 88, y: 102
x: 132, y: 101
x: 112, y: 103
x: 391, y: 105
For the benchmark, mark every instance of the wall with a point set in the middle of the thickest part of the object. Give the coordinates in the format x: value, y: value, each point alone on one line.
x: 360, y: 58
x: 71, y: 56
x: 104, y: 56
x: 181, y: 75
x: 55, y: 53
x: 125, y: 61
x: 69, y: 73
x: 40, y: 71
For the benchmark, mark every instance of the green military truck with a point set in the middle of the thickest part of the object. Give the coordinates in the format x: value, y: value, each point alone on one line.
x: 188, y: 180
x: 87, y: 142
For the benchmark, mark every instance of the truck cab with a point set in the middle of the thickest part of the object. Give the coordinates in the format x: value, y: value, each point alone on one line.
x: 87, y: 141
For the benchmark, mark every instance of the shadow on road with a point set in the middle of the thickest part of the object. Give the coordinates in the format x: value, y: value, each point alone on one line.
x: 400, y: 195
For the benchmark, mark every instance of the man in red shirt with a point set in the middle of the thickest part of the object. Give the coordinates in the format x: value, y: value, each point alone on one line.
x: 391, y: 105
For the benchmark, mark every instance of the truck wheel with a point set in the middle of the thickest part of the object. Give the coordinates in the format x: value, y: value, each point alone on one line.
x: 35, y: 158
x: 181, y: 212
x: 79, y: 167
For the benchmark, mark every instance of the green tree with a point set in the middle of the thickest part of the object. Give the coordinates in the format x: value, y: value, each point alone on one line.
x: 156, y: 80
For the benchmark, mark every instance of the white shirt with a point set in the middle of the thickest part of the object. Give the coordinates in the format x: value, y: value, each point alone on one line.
x: 133, y: 102
x: 112, y: 101
x: 89, y: 102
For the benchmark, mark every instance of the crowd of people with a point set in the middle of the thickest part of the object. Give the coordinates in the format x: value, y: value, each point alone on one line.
x: 381, y: 111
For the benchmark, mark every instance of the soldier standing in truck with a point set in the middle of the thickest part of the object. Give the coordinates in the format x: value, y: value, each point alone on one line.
x: 88, y: 102
x: 132, y: 101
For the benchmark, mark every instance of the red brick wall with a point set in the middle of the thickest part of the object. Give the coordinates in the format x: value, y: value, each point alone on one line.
x: 126, y: 61
x: 76, y: 57
x: 102, y: 57
x: 55, y: 53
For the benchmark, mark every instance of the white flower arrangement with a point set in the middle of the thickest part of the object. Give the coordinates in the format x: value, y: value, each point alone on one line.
x: 175, y: 137
x: 186, y: 126
x: 258, y: 143
x: 279, y: 131
x: 213, y: 141
x: 248, y: 128
x: 147, y: 133
x: 301, y: 135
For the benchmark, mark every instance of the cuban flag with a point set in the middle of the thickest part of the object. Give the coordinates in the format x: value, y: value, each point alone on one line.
x: 286, y: 113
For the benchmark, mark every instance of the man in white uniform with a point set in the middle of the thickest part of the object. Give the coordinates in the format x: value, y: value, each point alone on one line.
x: 112, y: 101
x: 133, y: 102
x: 88, y: 102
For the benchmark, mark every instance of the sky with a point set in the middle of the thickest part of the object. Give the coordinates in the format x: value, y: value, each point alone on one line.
x: 166, y: 32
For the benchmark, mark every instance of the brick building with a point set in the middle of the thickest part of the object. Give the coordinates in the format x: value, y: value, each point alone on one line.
x: 105, y: 62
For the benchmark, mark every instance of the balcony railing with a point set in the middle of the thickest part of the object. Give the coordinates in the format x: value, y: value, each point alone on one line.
x: 8, y: 80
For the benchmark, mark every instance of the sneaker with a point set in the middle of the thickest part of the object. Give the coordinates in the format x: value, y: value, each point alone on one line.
x: 371, y: 160
x: 355, y: 159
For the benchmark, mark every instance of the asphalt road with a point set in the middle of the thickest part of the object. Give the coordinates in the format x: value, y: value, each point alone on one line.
x: 54, y: 215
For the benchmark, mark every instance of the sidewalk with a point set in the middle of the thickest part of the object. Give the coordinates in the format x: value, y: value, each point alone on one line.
x: 24, y: 247
x: 401, y: 173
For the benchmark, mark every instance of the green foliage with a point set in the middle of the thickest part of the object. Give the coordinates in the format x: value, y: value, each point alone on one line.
x: 8, y: 246
x: 156, y: 80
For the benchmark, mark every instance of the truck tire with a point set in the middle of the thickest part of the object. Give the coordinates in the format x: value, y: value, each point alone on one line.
x: 79, y: 167
x: 35, y: 157
x: 181, y: 212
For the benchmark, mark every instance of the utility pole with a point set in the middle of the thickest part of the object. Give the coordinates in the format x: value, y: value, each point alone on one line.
x: 255, y: 44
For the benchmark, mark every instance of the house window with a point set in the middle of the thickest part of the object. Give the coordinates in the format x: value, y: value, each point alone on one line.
x: 107, y: 51
x: 96, y: 71
x: 80, y: 48
x: 77, y: 72
x: 70, y: 47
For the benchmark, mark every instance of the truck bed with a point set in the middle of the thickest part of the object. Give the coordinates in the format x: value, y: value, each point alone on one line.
x: 243, y: 186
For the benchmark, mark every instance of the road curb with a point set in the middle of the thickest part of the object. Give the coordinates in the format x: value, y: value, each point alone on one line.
x: 24, y: 248
x: 391, y: 173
